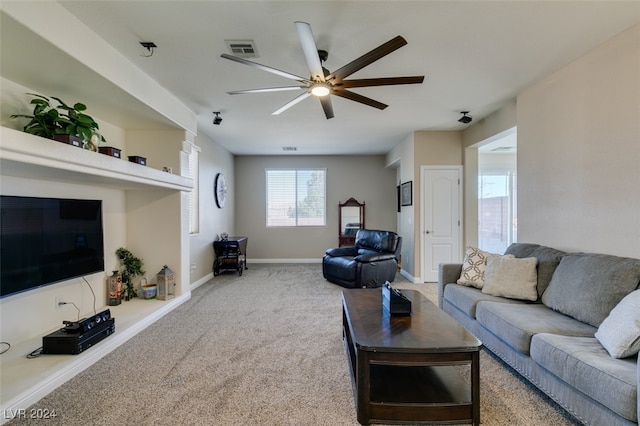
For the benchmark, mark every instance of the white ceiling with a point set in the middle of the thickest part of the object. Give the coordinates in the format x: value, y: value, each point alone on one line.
x: 476, y: 55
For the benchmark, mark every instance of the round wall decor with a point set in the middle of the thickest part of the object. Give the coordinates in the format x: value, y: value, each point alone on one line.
x: 220, y: 190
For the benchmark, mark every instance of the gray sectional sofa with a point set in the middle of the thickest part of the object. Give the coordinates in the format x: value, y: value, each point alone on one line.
x: 554, y: 334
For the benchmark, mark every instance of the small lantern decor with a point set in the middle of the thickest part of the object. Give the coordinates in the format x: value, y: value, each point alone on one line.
x: 166, y: 284
x: 114, y: 289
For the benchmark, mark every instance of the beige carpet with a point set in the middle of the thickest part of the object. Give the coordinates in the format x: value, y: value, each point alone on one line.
x: 261, y: 349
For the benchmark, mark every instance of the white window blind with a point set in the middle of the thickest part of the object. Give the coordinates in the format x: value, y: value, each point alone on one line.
x: 194, y: 195
x: 296, y: 197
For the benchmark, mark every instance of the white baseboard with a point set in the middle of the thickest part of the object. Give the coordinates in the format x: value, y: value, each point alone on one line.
x: 415, y: 280
x: 201, y: 281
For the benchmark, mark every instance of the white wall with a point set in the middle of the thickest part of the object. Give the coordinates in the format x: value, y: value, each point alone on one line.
x: 579, y: 153
x: 213, y: 160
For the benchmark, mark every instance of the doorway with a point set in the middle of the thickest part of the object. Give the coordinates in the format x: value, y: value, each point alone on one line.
x: 497, y: 193
x: 441, y: 224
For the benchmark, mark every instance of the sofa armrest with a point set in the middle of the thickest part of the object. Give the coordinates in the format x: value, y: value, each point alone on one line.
x: 375, y: 257
x: 342, y: 251
x: 447, y: 273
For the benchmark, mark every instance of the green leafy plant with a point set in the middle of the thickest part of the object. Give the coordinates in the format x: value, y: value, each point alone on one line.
x: 48, y: 120
x: 130, y: 267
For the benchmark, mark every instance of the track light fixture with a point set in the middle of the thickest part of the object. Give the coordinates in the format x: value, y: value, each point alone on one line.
x: 150, y: 46
x: 217, y: 119
x: 465, y: 119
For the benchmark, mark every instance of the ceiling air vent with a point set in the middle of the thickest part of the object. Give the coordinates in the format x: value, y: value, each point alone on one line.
x: 289, y: 148
x: 242, y: 48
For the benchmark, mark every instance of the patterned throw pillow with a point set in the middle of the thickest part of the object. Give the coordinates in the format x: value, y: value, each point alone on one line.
x: 473, y: 267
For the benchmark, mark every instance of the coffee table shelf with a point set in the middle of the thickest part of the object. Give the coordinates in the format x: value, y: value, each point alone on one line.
x: 408, y: 369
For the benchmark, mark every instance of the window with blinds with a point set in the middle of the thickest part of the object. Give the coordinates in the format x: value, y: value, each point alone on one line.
x: 296, y: 197
x: 194, y: 195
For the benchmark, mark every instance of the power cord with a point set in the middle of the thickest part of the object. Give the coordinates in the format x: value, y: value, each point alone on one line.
x: 94, y: 295
x: 5, y: 350
x: 35, y: 354
x: 74, y: 305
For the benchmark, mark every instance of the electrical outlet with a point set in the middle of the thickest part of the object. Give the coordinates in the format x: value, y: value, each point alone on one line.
x: 59, y: 302
x: 193, y: 268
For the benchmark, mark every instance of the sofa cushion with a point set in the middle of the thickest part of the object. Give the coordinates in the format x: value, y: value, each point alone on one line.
x: 588, y: 286
x: 619, y: 333
x: 511, y: 277
x: 516, y: 324
x: 473, y: 267
x: 584, y: 364
x: 548, y: 260
x: 467, y: 298
x: 521, y: 250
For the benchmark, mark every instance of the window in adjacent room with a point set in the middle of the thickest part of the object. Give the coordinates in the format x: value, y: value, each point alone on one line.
x: 497, y: 195
x: 296, y: 197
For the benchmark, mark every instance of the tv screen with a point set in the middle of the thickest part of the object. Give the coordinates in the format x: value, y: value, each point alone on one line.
x: 47, y: 240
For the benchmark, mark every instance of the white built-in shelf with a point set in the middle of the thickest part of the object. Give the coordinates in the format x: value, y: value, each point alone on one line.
x: 34, y: 157
x: 25, y: 381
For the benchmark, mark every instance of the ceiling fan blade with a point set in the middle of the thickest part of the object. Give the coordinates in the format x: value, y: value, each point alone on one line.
x: 291, y: 103
x: 359, y: 98
x: 325, y: 101
x: 267, y: 90
x: 368, y: 58
x: 386, y: 81
x: 310, y: 50
x: 266, y: 68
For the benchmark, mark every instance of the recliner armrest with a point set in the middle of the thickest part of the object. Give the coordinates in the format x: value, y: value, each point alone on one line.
x: 374, y: 257
x: 342, y: 251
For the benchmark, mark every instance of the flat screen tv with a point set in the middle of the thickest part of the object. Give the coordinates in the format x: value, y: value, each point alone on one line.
x: 47, y: 240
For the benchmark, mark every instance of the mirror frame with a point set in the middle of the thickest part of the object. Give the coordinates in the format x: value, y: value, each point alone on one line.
x: 343, y: 238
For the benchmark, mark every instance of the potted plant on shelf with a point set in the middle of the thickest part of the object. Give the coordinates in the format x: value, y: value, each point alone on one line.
x: 62, y: 122
x: 131, y: 267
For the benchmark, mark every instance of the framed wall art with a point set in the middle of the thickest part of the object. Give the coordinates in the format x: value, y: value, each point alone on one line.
x: 406, y: 193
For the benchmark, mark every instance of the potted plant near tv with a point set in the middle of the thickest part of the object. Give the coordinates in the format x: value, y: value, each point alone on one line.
x: 130, y: 268
x: 64, y: 123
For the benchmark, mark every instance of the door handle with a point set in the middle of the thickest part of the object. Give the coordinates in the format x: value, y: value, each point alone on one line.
x: 427, y: 232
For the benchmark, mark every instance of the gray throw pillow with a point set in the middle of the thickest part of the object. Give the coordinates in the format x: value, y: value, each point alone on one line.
x: 588, y: 286
x: 511, y: 278
x: 619, y: 333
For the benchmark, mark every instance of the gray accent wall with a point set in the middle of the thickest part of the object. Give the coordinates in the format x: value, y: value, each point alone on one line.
x: 579, y: 153
x: 364, y: 178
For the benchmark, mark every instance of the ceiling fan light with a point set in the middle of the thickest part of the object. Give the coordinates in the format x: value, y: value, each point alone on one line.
x: 320, y: 89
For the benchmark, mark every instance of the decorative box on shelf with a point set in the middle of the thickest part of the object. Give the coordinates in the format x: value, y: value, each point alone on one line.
x: 137, y: 159
x: 69, y: 139
x: 109, y: 150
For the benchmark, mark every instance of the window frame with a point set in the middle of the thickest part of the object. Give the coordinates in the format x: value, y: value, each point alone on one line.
x: 296, y: 193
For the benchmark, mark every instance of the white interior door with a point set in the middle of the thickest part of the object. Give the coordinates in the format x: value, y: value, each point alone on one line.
x: 441, y: 225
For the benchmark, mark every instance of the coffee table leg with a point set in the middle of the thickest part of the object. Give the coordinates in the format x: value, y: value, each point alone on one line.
x: 475, y: 386
x: 363, y: 387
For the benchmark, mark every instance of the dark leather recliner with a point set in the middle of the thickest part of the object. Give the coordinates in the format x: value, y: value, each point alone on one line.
x: 369, y: 263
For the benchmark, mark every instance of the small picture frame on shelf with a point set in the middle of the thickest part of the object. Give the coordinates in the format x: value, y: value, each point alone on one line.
x: 406, y: 193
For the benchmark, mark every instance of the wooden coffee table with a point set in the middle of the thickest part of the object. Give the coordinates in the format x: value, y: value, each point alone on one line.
x: 402, y: 367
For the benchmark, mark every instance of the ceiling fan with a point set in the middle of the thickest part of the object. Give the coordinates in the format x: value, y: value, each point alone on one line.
x: 323, y: 83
